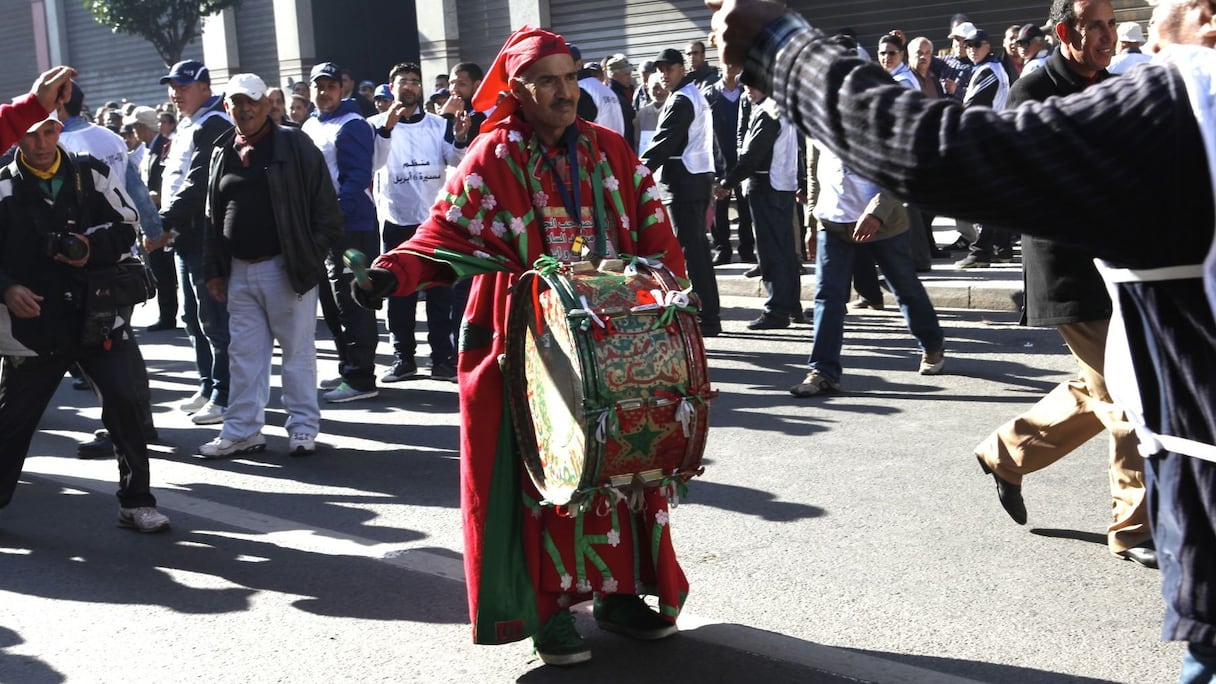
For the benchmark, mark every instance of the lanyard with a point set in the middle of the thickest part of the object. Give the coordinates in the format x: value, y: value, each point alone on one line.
x: 570, y: 197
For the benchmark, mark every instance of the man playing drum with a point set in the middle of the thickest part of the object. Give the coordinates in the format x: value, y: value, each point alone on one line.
x: 511, y: 202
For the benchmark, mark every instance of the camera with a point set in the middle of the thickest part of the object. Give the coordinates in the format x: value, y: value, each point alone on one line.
x: 67, y: 244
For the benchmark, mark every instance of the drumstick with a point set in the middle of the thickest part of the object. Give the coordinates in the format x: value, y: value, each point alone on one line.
x: 356, y: 261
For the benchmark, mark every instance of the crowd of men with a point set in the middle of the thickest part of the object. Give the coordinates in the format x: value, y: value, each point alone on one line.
x: 247, y: 205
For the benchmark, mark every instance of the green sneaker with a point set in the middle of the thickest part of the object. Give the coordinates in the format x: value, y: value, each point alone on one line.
x: 629, y: 615
x: 559, y: 642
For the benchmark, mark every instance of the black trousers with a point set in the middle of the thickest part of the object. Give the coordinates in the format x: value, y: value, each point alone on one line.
x: 403, y: 311
x: 355, y: 330
x: 165, y: 269
x: 26, y: 387
x: 689, y: 210
x: 721, y: 228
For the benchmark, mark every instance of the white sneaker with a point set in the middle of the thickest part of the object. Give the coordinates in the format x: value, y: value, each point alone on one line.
x: 344, y: 393
x: 222, y: 447
x: 194, y: 403
x: 210, y: 414
x: 143, y: 519
x: 932, y: 364
x: 302, y: 444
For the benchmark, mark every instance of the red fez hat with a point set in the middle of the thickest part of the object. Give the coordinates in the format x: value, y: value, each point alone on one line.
x: 523, y: 49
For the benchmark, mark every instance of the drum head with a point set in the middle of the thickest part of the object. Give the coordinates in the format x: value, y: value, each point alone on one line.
x: 545, y: 389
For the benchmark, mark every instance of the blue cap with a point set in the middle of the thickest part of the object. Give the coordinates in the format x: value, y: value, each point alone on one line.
x: 575, y: 53
x: 187, y: 72
x: 325, y: 70
x: 383, y: 92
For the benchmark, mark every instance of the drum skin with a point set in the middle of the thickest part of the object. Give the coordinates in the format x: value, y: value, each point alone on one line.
x: 606, y: 379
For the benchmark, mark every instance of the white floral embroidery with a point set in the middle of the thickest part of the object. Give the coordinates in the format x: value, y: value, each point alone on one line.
x: 515, y: 136
x: 476, y: 226
x: 473, y: 181
x: 567, y: 581
x: 498, y: 228
x: 660, y: 518
x: 641, y: 170
x: 653, y: 193
x: 540, y: 199
x: 625, y: 223
x: 612, y: 183
x: 609, y: 586
x: 583, y: 586
x: 660, y: 216
x: 517, y: 225
x: 488, y: 202
x: 614, y: 538
x: 453, y: 213
x: 501, y: 150
x: 481, y: 255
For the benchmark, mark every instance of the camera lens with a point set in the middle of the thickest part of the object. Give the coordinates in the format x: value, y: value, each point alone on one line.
x: 73, y: 247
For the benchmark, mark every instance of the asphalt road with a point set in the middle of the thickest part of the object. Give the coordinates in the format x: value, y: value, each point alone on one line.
x: 842, y: 538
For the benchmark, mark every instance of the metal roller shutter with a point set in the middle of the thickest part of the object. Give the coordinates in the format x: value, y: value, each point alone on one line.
x: 17, y: 53
x: 258, y: 52
x: 115, y: 65
x: 484, y: 27
x: 639, y: 29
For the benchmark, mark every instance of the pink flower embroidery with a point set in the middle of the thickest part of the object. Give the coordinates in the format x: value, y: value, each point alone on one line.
x: 501, y: 150
x: 498, y: 228
x: 660, y: 216
x: 567, y: 581
x: 660, y: 518
x: 540, y: 199
x: 515, y: 136
x: 488, y: 202
x: 609, y: 586
x: 625, y: 223
x: 476, y: 226
x: 612, y: 183
x: 517, y: 225
x: 653, y: 193
x: 454, y: 213
x: 473, y: 181
x: 614, y: 539
x: 641, y: 170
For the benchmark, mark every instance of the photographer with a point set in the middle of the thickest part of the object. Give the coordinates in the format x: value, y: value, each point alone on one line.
x: 63, y: 230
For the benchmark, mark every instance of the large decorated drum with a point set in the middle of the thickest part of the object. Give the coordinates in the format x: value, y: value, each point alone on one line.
x: 606, y: 379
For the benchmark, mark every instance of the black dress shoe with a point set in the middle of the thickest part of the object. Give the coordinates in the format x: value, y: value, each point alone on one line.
x: 162, y: 325
x: 1145, y: 554
x: 1009, y: 494
x: 801, y: 318
x: 768, y: 321
x: 747, y: 257
x: 711, y: 328
x: 753, y: 272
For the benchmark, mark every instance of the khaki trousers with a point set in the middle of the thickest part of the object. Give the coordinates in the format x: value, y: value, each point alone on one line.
x: 1070, y: 415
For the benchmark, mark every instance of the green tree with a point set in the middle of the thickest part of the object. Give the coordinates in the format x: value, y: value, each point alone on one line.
x: 170, y: 25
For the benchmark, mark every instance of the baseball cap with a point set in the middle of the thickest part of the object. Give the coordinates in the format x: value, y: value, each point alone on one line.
x: 325, y: 70
x: 618, y: 62
x: 1129, y: 32
x: 142, y: 115
x: 187, y: 72
x: 1029, y: 32
x: 49, y: 117
x: 976, y: 35
x: 249, y: 85
x: 669, y: 56
x: 962, y: 30
x: 383, y: 92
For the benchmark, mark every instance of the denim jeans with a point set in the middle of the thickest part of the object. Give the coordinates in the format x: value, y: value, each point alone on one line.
x: 834, y: 271
x: 207, y: 325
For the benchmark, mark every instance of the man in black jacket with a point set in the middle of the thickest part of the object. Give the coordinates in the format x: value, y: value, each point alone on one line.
x: 1064, y: 289
x: 682, y: 154
x: 728, y: 109
x: 275, y: 217
x: 59, y: 308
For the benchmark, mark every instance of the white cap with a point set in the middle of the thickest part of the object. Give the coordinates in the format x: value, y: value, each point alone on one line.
x: 963, y: 30
x: 53, y: 116
x: 1129, y: 32
x: 249, y: 85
